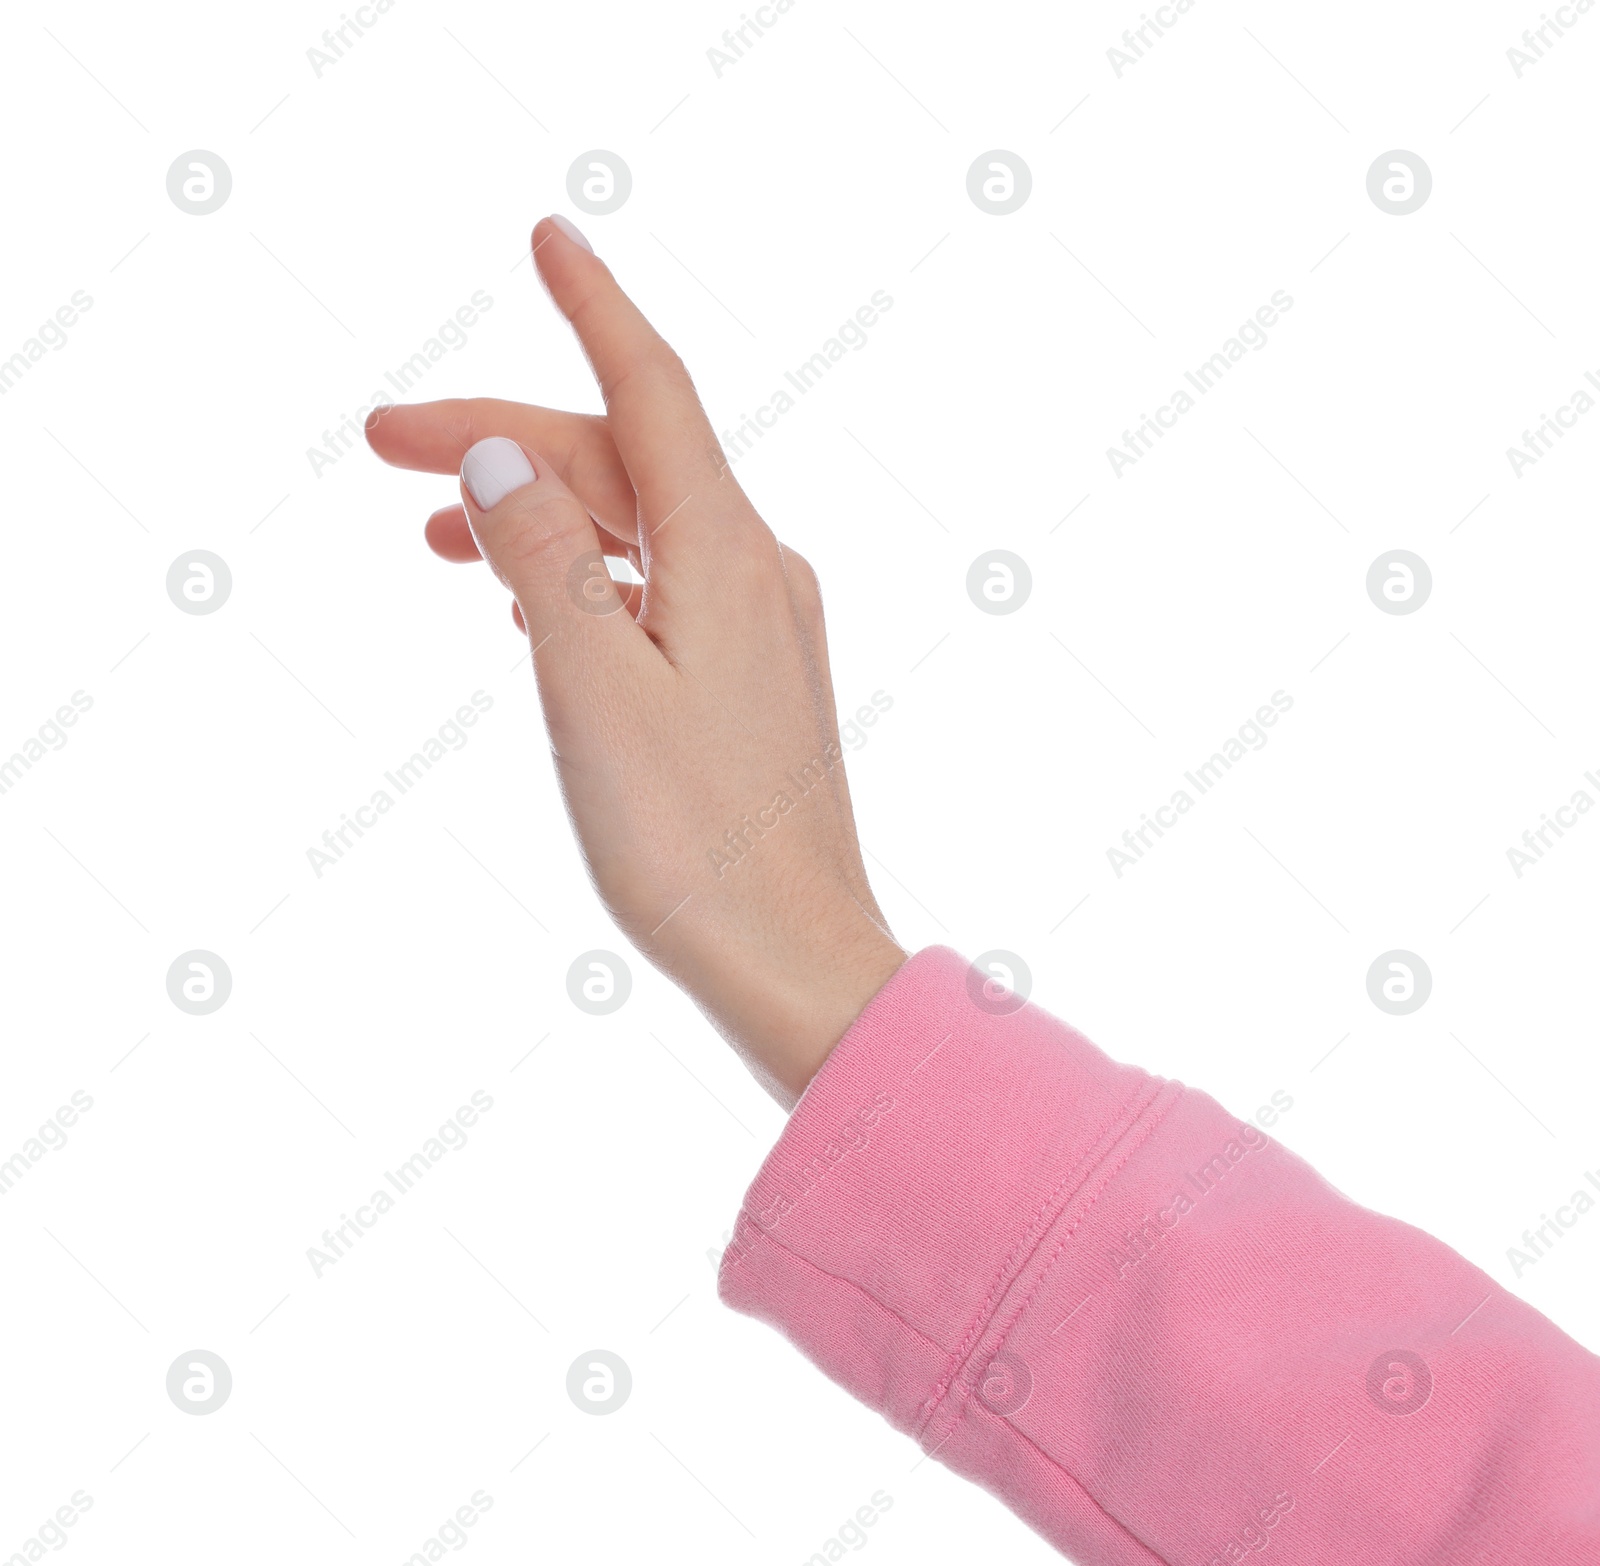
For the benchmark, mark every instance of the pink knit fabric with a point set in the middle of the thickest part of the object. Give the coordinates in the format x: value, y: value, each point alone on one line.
x: 1154, y: 1333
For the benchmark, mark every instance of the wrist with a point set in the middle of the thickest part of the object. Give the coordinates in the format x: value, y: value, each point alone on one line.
x: 784, y: 1017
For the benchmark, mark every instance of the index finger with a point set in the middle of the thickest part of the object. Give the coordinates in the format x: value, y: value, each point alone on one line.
x: 659, y: 426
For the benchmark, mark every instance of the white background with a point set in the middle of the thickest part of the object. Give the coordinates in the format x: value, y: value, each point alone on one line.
x: 768, y: 204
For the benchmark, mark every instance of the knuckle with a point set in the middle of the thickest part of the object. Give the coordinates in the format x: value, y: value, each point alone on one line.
x: 664, y: 375
x: 755, y: 556
x: 803, y: 584
x: 540, y: 534
x: 669, y: 364
x: 582, y: 311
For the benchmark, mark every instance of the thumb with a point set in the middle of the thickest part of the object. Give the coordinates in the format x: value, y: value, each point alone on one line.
x: 541, y: 542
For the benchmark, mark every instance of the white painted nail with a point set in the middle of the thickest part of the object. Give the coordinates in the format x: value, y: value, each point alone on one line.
x: 494, y: 468
x: 571, y: 230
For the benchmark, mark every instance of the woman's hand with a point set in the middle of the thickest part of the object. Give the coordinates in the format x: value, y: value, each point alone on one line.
x: 691, y: 719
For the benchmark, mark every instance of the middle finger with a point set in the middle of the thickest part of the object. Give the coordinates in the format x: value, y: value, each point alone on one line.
x: 432, y: 437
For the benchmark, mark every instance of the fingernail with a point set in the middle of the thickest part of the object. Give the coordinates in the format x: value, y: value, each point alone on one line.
x: 571, y: 230
x: 494, y: 468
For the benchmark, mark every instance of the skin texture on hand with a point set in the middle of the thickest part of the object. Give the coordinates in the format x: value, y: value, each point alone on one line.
x: 691, y: 718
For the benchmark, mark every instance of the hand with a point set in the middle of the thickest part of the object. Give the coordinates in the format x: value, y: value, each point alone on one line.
x: 691, y: 719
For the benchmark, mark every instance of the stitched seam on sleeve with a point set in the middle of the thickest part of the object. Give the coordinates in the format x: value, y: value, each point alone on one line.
x: 1100, y: 1174
x: 1067, y: 1475
x: 1077, y: 1484
x: 850, y: 1283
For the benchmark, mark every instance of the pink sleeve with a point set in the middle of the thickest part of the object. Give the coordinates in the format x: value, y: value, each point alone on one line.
x: 1154, y: 1333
